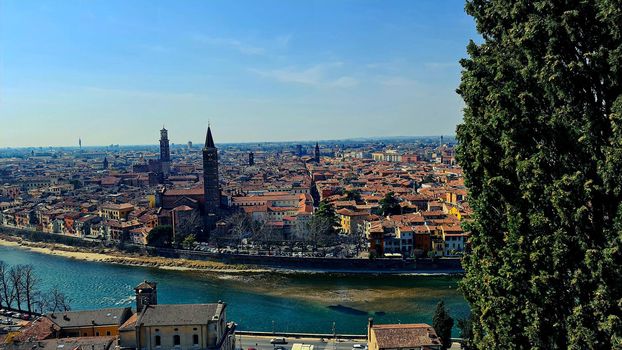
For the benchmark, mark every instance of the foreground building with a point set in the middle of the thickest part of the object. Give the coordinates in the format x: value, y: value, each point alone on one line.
x: 150, y: 326
x: 418, y: 336
x: 179, y: 326
x: 90, y: 323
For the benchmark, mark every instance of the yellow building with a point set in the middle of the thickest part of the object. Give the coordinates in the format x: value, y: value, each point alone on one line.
x: 350, y: 220
x: 116, y: 211
x: 90, y: 323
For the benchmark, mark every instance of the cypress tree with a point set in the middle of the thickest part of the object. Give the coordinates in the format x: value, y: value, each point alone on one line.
x: 541, y: 149
x: 443, y: 323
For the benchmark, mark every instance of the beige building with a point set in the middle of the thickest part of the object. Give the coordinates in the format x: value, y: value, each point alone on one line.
x: 418, y: 336
x: 116, y: 211
x: 179, y: 327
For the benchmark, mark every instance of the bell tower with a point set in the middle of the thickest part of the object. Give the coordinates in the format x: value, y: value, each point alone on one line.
x: 146, y: 294
x: 165, y: 152
x: 317, y: 152
x: 211, y: 191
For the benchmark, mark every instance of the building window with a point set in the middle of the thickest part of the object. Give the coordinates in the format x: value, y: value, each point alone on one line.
x: 97, y: 334
x: 107, y: 332
x: 176, y: 340
x: 195, y: 339
x: 158, y: 341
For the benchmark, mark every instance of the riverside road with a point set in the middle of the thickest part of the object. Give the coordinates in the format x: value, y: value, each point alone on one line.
x: 263, y: 343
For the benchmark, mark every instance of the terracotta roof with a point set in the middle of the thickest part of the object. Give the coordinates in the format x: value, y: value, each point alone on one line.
x: 405, y: 335
x: 184, y: 192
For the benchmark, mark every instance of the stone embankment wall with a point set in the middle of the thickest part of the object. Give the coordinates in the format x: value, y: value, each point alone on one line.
x: 439, y: 265
x: 330, y: 264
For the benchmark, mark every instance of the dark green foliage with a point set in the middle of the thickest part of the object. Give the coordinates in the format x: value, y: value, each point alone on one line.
x: 541, y: 149
x: 160, y: 236
x: 443, y: 323
x: 77, y: 184
x: 389, y: 205
x: 354, y: 195
x: 326, y: 211
x: 466, y: 331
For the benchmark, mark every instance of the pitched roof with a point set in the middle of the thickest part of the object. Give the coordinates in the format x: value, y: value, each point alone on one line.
x: 146, y: 285
x: 78, y: 343
x: 405, y: 335
x: 70, y: 319
x: 180, y: 314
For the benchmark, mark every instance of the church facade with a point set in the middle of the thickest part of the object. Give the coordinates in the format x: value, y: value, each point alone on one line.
x: 205, y: 199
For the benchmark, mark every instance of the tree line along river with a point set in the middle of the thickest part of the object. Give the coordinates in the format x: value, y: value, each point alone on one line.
x: 295, y: 302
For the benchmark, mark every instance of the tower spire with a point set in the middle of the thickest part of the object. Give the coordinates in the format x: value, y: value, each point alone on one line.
x: 209, y: 140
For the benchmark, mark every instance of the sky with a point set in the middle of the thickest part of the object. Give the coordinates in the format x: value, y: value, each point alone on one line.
x: 116, y: 71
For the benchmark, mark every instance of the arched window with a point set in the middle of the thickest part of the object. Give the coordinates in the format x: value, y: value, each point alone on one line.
x: 176, y: 340
x: 158, y: 340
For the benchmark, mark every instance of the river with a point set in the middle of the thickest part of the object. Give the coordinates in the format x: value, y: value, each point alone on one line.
x: 284, y: 302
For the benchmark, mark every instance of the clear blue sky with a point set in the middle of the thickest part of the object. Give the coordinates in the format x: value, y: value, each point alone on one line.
x: 115, y: 71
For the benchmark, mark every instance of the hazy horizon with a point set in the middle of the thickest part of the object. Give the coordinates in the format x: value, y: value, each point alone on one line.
x: 200, y: 143
x: 113, y: 72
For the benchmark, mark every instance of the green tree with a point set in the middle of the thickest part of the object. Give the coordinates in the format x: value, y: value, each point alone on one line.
x: 541, y: 150
x: 443, y: 323
x: 326, y: 211
x: 189, y: 241
x: 354, y: 195
x: 160, y: 236
x: 466, y: 333
x: 390, y: 205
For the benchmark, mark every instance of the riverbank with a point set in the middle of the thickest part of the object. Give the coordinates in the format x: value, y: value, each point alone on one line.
x: 194, y: 260
x: 112, y: 256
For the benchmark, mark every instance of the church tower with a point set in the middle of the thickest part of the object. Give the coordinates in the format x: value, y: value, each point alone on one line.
x: 146, y: 294
x: 317, y: 152
x: 211, y: 190
x: 251, y: 159
x: 165, y: 153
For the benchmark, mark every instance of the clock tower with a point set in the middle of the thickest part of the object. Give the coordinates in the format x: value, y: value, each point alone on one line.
x: 146, y: 294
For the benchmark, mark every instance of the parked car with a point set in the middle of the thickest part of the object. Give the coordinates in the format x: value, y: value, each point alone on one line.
x: 278, y: 341
x: 280, y: 348
x: 359, y: 346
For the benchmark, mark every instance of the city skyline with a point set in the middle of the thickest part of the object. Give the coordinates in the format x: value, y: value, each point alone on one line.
x: 279, y: 73
x: 199, y: 144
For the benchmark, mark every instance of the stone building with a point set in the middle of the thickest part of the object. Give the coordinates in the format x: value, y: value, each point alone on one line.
x: 175, y: 326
